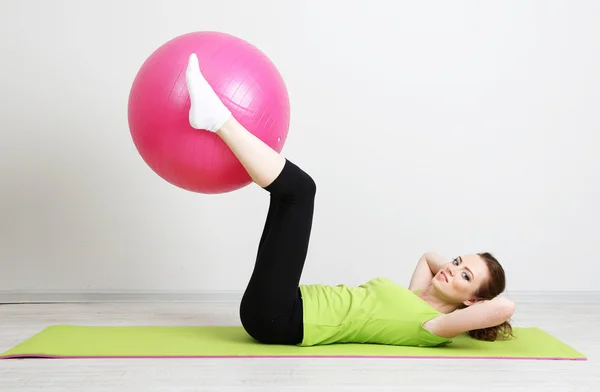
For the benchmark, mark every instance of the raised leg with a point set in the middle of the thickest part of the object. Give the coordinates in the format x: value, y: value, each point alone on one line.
x: 271, y: 309
x: 207, y: 112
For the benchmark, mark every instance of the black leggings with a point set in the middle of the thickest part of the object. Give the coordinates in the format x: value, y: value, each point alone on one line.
x: 271, y: 308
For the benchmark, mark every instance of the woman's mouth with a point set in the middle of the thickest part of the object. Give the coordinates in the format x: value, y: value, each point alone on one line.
x: 444, y: 276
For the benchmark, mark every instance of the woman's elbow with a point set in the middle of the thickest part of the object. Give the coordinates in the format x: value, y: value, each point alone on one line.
x: 505, y: 308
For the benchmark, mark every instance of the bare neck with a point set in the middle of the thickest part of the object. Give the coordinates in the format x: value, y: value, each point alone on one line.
x: 441, y: 305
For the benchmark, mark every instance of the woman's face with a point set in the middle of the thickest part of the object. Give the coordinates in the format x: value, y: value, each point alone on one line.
x: 459, y: 280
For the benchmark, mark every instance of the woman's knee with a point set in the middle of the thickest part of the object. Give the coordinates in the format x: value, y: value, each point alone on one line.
x: 302, y: 185
x: 306, y: 185
x: 309, y: 186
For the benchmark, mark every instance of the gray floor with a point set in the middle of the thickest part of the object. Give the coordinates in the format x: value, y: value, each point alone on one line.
x: 576, y: 324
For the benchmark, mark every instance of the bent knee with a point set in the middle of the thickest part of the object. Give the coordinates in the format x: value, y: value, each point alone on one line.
x: 309, y: 186
x: 299, y: 184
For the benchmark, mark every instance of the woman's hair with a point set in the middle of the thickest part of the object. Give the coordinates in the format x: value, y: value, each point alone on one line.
x: 488, y: 290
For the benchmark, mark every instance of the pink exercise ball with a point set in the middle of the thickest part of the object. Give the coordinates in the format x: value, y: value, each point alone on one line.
x: 246, y: 81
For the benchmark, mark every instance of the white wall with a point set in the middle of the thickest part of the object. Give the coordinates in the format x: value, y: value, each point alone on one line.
x: 450, y: 126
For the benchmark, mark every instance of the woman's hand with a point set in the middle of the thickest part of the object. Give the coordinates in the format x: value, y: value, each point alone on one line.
x: 429, y: 264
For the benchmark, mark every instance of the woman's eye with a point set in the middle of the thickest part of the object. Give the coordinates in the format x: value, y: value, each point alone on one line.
x: 455, y: 261
x: 466, y: 276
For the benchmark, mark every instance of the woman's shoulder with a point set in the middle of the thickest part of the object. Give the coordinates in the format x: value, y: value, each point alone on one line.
x: 383, y: 281
x: 380, y: 280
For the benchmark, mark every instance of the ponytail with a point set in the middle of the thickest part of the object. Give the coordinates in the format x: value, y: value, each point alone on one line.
x: 490, y: 289
x: 491, y: 334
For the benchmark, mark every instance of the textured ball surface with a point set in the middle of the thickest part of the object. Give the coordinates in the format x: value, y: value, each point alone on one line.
x: 247, y: 83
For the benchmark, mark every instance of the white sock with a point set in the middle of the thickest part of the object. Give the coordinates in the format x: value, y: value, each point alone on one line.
x: 206, y: 111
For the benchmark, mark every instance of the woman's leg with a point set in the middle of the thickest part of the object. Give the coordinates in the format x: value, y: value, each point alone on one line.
x: 262, y: 163
x: 271, y: 309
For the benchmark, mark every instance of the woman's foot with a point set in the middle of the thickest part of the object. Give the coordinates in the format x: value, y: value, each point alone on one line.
x: 206, y: 111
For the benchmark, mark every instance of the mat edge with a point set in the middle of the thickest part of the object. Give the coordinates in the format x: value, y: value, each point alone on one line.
x: 34, y: 356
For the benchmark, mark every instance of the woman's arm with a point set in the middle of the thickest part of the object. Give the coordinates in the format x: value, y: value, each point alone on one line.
x: 482, y: 314
x: 429, y: 264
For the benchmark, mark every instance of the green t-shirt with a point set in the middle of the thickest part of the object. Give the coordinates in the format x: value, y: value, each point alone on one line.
x: 379, y: 312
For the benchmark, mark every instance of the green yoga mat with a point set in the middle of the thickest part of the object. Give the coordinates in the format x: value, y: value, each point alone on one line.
x: 67, y: 341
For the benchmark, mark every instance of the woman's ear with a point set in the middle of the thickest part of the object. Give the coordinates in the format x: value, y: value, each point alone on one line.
x: 469, y: 302
x: 474, y: 300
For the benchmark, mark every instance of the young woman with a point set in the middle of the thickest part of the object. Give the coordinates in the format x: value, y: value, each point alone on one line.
x: 443, y: 300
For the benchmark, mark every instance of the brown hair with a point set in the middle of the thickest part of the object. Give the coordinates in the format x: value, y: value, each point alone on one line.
x: 488, y: 290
